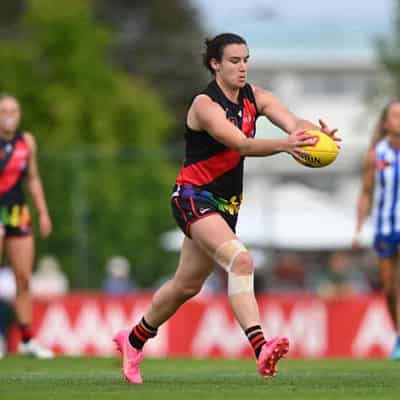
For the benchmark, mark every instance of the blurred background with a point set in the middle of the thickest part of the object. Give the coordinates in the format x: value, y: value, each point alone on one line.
x: 104, y: 86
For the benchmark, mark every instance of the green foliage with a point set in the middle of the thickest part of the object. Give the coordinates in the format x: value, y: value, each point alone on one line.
x: 100, y: 135
x: 161, y: 43
x: 389, y: 52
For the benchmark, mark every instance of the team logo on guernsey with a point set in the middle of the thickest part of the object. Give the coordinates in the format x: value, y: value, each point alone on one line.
x: 249, y: 118
x: 382, y: 164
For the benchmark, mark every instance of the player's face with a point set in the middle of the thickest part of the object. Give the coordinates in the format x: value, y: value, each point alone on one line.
x: 232, y: 69
x: 10, y: 115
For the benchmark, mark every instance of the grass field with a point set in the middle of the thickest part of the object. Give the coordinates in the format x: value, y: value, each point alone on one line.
x: 99, y: 378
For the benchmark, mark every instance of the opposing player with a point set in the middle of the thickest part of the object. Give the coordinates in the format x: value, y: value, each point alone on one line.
x: 220, y: 129
x: 17, y: 162
x: 380, y: 194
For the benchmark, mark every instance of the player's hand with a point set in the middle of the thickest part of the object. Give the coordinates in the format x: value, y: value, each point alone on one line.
x: 45, y: 225
x: 297, y: 140
x: 330, y: 132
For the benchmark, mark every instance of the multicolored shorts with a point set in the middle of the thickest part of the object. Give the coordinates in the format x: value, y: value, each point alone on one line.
x: 15, y: 220
x: 191, y: 203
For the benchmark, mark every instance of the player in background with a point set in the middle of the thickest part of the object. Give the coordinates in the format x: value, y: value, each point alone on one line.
x: 17, y: 164
x: 380, y: 194
x: 220, y: 130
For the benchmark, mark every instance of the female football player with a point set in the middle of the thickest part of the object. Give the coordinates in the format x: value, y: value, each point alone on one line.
x: 220, y: 130
x: 380, y: 194
x: 18, y: 164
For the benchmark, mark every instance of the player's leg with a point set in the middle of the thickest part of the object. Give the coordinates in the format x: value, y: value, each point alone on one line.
x: 2, y: 324
x: 193, y: 269
x: 20, y: 253
x: 217, y: 239
x: 390, y: 275
x: 387, y: 272
x: 213, y: 242
x: 386, y: 248
x: 396, y: 309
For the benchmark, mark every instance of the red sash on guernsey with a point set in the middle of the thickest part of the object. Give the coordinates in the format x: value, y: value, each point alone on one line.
x: 15, y: 166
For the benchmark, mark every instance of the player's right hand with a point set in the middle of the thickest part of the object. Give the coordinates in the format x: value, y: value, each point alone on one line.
x: 45, y: 225
x: 297, y: 140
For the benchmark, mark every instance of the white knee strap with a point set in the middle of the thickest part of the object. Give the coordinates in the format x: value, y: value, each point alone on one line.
x: 225, y: 256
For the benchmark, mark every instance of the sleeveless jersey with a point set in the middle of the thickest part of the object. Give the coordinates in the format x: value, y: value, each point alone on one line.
x: 386, y: 205
x: 209, y: 164
x: 14, y: 157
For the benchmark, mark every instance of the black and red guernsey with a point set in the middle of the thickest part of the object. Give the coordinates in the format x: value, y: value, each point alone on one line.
x: 14, y: 156
x: 209, y: 164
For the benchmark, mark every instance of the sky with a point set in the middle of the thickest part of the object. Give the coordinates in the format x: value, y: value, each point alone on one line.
x: 340, y: 25
x: 342, y: 10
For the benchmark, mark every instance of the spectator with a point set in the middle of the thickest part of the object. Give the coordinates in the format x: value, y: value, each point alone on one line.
x: 342, y: 278
x: 118, y: 281
x: 49, y: 280
x: 288, y: 273
x: 7, y: 297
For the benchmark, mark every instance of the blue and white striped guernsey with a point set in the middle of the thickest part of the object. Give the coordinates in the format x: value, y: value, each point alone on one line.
x: 386, y: 205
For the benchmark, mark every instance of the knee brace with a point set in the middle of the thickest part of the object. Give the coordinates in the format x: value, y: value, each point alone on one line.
x: 225, y: 256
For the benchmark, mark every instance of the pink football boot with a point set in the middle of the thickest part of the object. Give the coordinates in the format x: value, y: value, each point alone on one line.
x: 271, y: 353
x: 131, y: 357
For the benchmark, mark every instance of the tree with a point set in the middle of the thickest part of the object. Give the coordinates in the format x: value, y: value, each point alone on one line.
x: 100, y: 135
x: 161, y: 43
x: 389, y: 54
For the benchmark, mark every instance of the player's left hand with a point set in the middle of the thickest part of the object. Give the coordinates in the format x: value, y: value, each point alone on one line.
x: 45, y: 225
x: 330, y: 132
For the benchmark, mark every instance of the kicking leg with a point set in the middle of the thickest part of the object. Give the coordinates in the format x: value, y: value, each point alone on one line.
x: 193, y: 269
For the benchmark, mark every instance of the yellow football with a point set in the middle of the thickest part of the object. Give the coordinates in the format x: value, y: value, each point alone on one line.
x: 322, y: 153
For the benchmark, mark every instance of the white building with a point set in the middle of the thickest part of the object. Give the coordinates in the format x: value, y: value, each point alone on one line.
x: 278, y: 190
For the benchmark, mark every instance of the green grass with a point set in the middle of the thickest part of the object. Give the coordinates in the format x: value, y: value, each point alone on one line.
x: 100, y: 378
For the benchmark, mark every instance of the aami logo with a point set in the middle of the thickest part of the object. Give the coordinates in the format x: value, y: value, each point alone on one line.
x: 310, y: 158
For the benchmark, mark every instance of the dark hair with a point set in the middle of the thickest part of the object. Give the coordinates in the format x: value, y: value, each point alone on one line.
x: 379, y: 131
x: 215, y: 47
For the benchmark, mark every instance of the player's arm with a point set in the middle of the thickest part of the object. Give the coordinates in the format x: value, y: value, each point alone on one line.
x: 35, y: 187
x: 365, y: 197
x: 271, y: 107
x: 204, y: 114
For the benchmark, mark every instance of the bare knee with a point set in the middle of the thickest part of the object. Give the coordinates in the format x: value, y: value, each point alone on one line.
x: 22, y: 282
x: 243, y: 264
